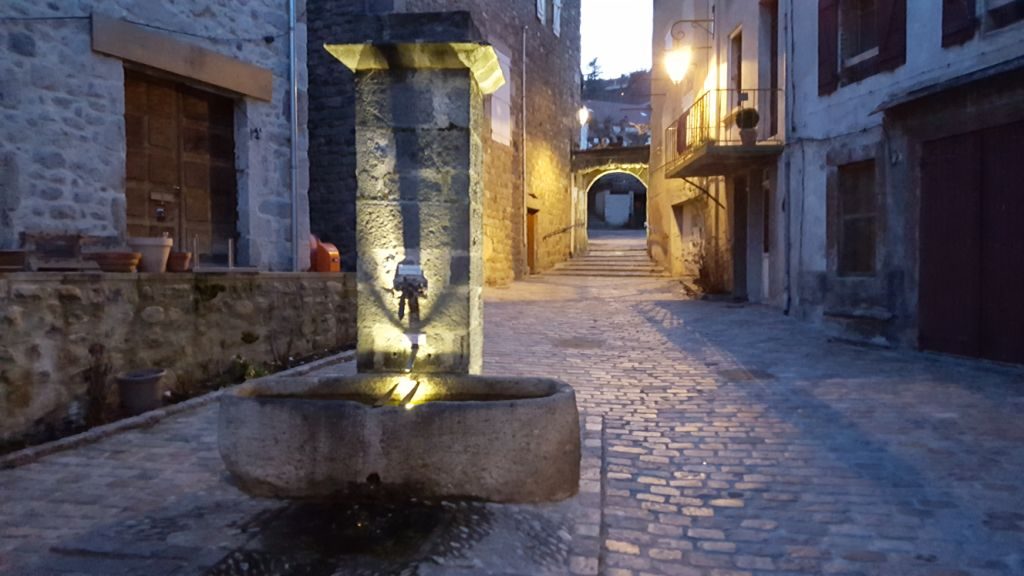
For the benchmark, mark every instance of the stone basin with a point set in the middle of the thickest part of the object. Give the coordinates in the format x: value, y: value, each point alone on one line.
x: 472, y: 437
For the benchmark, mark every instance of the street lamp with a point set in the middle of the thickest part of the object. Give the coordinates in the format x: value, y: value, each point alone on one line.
x: 677, y: 62
x: 583, y: 115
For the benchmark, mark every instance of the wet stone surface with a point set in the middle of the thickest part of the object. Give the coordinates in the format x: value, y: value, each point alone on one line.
x: 264, y: 538
x: 411, y: 538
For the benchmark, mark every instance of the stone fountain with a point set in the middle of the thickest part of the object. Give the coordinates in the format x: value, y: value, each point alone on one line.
x: 419, y: 420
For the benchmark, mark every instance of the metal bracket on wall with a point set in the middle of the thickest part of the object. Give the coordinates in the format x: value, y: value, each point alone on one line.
x: 704, y: 190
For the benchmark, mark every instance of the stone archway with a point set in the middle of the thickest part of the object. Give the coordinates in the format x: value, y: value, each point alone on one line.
x: 590, y: 165
x: 599, y: 188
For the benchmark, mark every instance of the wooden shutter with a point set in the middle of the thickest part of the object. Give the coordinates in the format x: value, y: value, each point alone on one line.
x: 681, y: 136
x: 828, y: 46
x: 958, y: 21
x: 892, y: 34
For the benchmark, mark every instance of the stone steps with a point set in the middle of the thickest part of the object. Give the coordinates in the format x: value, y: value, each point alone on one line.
x: 612, y: 262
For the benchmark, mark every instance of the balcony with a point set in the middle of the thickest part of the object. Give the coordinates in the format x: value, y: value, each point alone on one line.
x: 708, y: 141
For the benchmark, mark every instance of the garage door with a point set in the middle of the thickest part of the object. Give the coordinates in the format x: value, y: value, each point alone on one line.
x: 971, y: 299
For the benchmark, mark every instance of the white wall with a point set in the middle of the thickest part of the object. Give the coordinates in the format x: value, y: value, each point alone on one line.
x: 617, y: 208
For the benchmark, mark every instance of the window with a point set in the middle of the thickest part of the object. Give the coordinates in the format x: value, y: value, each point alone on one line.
x: 856, y: 219
x: 859, y: 38
x: 736, y: 67
x: 858, y: 30
x: 769, y: 50
x: 556, y: 18
x: 959, y: 21
x: 542, y: 10
x: 1004, y: 12
x: 501, y: 105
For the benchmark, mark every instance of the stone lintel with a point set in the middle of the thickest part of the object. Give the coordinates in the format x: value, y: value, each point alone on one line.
x: 479, y: 58
x: 134, y: 43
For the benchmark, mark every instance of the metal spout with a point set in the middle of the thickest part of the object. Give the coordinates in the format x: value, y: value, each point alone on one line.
x: 412, y: 357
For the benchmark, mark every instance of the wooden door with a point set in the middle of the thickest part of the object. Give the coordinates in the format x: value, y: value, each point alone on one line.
x: 208, y: 171
x: 1002, y: 243
x: 972, y: 248
x: 739, y: 237
x: 153, y: 159
x: 180, y: 176
x: 531, y: 241
x: 950, y: 278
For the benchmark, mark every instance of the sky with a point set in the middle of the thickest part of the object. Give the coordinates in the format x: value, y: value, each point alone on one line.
x: 618, y: 34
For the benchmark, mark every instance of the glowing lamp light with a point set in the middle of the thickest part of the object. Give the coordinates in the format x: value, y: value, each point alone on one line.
x: 583, y: 115
x: 677, y: 63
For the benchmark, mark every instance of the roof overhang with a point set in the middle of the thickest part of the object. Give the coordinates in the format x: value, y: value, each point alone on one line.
x: 923, y: 91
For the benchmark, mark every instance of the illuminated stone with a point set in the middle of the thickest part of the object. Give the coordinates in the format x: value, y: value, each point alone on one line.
x: 419, y: 112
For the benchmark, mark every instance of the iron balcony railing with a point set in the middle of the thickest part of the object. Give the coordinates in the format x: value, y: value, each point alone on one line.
x: 712, y: 120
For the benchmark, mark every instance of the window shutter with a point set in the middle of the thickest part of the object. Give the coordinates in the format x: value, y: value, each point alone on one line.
x: 958, y: 21
x: 681, y: 143
x: 892, y: 37
x: 828, y: 46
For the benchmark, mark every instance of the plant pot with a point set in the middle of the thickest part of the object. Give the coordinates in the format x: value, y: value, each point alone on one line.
x: 748, y: 136
x: 139, y: 390
x: 179, y: 261
x: 155, y: 252
x: 115, y: 261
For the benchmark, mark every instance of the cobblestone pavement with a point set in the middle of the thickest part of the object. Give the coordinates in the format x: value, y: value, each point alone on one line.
x: 729, y: 440
x: 740, y: 441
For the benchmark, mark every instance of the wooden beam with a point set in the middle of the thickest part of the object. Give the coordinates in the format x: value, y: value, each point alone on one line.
x: 138, y: 44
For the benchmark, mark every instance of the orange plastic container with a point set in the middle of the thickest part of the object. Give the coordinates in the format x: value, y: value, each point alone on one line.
x: 328, y: 259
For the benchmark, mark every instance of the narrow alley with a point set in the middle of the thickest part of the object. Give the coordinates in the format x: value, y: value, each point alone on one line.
x: 720, y: 439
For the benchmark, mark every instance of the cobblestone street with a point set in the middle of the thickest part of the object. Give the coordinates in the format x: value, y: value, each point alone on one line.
x: 732, y: 440
x: 739, y: 441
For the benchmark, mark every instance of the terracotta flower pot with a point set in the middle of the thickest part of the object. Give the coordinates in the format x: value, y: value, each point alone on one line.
x: 154, y: 252
x: 115, y: 261
x: 179, y: 262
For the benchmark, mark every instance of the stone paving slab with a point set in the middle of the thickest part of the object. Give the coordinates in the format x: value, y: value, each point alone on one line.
x: 720, y: 440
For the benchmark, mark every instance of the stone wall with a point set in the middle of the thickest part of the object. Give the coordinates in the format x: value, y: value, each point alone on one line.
x: 62, y: 134
x: 58, y: 330
x: 552, y: 97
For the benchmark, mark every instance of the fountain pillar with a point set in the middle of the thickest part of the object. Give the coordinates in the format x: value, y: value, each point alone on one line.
x: 419, y: 211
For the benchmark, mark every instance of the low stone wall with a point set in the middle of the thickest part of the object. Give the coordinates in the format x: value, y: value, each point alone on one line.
x: 64, y: 337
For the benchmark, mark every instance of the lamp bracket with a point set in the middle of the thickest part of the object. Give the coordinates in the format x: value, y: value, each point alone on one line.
x: 678, y: 27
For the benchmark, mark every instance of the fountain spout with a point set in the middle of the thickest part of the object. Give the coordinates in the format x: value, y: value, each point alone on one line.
x: 411, y: 285
x: 412, y: 356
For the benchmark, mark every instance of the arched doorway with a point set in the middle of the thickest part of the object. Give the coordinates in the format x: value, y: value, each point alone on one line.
x: 616, y: 199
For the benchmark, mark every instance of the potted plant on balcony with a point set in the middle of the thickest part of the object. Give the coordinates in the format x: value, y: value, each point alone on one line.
x: 746, y: 121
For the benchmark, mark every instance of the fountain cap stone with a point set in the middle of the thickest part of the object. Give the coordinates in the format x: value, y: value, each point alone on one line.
x: 477, y: 57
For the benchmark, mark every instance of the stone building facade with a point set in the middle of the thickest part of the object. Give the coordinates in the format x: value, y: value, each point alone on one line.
x: 881, y: 200
x: 529, y: 129
x: 129, y: 117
